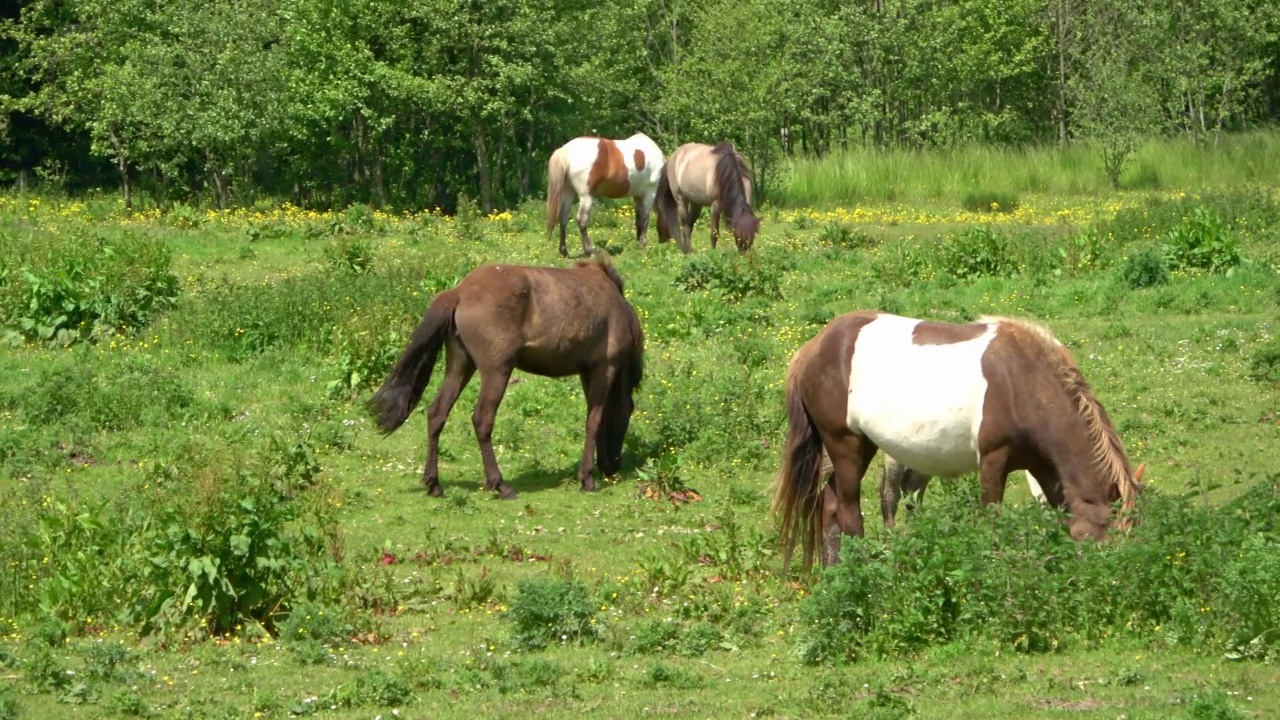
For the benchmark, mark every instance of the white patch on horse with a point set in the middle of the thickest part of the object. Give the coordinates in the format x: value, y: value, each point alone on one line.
x: 921, y: 404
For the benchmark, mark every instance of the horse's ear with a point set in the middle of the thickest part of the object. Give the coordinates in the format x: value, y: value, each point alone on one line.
x: 1137, y: 474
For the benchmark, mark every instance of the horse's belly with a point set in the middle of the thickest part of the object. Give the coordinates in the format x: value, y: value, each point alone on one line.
x: 921, y: 404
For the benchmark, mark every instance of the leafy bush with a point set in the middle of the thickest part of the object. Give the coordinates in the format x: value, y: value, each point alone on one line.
x: 60, y: 289
x: 839, y: 235
x: 1144, y: 268
x: 1013, y: 576
x: 547, y: 610
x: 366, y: 345
x: 735, y: 277
x: 1201, y: 242
x: 349, y: 254
x: 1082, y: 252
x: 977, y: 252
x: 1264, y: 363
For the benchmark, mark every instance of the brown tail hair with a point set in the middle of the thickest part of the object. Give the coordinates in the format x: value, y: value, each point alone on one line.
x: 402, y: 389
x: 797, y: 498
x: 557, y: 169
x: 668, y: 216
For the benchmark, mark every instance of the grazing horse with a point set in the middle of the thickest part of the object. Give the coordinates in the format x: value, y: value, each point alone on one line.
x: 592, y: 167
x: 697, y: 175
x: 995, y: 396
x: 545, y: 321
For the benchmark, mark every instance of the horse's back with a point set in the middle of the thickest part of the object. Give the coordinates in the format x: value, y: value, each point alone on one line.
x: 692, y: 172
x: 550, y: 321
x: 917, y: 390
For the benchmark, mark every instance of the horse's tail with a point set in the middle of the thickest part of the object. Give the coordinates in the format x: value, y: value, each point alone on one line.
x: 797, y: 499
x: 732, y: 174
x: 557, y: 170
x: 402, y: 389
x: 665, y: 205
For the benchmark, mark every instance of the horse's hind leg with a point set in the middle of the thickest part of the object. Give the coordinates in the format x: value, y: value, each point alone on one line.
x: 458, y: 371
x: 595, y: 384
x: 493, y: 385
x: 584, y: 214
x: 850, y: 456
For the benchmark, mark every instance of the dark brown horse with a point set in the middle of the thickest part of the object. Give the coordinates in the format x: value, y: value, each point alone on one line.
x: 545, y: 321
x: 995, y: 396
x: 697, y: 175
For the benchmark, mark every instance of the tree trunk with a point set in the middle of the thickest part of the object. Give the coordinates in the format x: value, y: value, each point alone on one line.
x: 482, y: 166
x: 1062, y: 73
x: 122, y: 166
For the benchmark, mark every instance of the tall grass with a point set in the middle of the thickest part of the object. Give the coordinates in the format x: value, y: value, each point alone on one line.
x: 866, y: 174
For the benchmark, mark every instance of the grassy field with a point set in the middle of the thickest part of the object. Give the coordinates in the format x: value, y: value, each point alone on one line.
x: 220, y: 446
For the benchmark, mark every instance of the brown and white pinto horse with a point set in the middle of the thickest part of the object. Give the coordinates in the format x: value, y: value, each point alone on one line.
x: 698, y: 175
x: 545, y: 321
x: 995, y: 396
x: 586, y: 168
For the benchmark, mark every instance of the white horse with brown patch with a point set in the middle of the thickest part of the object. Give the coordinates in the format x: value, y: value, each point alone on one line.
x: 586, y: 168
x: 994, y: 396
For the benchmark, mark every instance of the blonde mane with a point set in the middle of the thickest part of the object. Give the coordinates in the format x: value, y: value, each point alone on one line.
x: 1109, y: 457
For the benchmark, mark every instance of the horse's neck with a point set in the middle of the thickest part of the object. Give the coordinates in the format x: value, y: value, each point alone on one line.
x: 1072, y: 456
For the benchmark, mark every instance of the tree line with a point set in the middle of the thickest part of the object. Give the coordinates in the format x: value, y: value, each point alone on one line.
x: 408, y: 104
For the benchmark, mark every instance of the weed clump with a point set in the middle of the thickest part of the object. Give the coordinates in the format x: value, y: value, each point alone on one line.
x: 988, y: 201
x: 1144, y: 269
x: 551, y: 610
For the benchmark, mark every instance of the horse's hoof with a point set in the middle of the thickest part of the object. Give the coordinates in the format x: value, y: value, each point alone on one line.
x: 588, y: 487
x: 506, y: 493
x: 435, y: 490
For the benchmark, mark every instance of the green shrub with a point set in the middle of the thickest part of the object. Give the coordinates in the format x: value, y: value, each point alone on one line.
x: 1143, y: 269
x: 1264, y: 363
x: 365, y: 346
x: 349, y: 254
x: 60, y: 289
x: 551, y: 610
x: 1201, y: 242
x: 1014, y: 577
x: 842, y: 236
x: 736, y: 277
x: 654, y: 635
x: 977, y: 252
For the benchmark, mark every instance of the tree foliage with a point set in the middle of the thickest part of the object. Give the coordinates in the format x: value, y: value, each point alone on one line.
x: 408, y: 105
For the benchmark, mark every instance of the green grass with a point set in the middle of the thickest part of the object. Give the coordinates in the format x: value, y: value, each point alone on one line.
x: 951, y: 175
x: 416, y: 590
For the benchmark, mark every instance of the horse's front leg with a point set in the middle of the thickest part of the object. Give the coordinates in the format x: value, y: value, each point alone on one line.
x: 715, y: 223
x: 595, y: 384
x: 493, y: 385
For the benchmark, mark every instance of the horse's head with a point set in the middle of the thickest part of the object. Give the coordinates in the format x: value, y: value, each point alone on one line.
x: 744, y: 228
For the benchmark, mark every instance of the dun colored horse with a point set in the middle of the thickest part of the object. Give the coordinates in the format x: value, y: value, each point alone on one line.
x: 591, y: 167
x: 698, y: 175
x: 552, y: 322
x: 995, y: 396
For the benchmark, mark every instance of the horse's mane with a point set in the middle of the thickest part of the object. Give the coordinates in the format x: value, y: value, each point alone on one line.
x: 1108, y: 452
x: 605, y: 265
x: 731, y: 171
